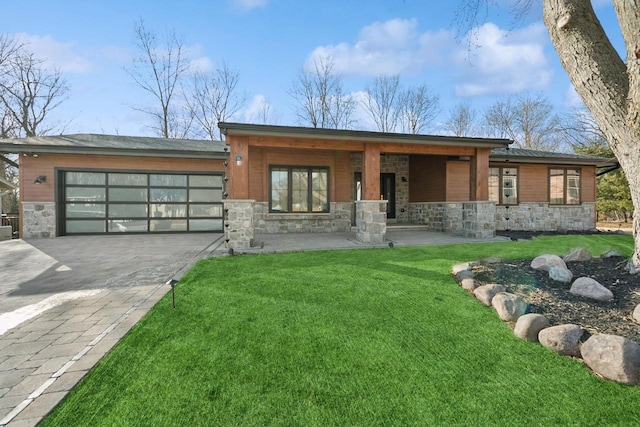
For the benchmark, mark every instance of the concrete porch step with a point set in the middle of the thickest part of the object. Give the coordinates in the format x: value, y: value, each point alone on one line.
x: 401, y: 227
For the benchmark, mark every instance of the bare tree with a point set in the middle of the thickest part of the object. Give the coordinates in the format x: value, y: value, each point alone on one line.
x: 28, y: 93
x: 214, y: 98
x: 321, y: 101
x: 461, y: 121
x: 526, y: 119
x: 418, y: 108
x: 608, y: 84
x: 159, y: 70
x: 382, y: 101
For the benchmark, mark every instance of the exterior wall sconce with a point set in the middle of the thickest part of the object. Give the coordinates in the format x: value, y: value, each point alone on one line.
x: 40, y: 179
x: 404, y: 179
x: 238, y: 160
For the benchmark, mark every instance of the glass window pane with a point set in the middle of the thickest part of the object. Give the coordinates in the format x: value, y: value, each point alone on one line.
x: 85, y: 194
x: 129, y: 179
x: 127, y: 194
x: 168, y: 195
x: 319, y: 191
x: 91, y: 226
x: 161, y: 225
x: 299, y: 190
x: 205, y: 195
x: 117, y: 210
x: 168, y: 180
x: 279, y: 190
x: 205, y: 224
x: 509, y: 190
x: 556, y: 187
x: 85, y: 178
x: 494, y: 184
x: 168, y: 210
x: 573, y: 187
x: 128, y: 225
x: 205, y: 210
x: 205, y: 180
x: 85, y: 210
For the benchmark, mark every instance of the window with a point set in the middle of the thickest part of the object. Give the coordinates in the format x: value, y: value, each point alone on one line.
x: 564, y: 186
x: 503, y: 185
x: 299, y: 189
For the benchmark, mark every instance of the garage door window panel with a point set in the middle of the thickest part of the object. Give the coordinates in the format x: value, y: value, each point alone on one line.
x: 128, y: 226
x: 127, y: 211
x: 128, y: 179
x: 91, y: 226
x: 86, y: 194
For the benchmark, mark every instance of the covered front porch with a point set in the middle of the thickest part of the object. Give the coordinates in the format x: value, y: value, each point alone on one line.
x: 284, y: 180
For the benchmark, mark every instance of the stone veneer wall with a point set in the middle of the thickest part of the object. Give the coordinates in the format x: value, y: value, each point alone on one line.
x: 337, y: 220
x: 391, y: 163
x: 38, y: 219
x: 438, y: 216
x: 371, y: 221
x: 239, y: 223
x: 542, y: 217
x: 479, y: 219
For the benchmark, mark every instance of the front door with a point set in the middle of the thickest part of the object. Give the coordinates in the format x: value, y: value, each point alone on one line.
x: 388, y: 192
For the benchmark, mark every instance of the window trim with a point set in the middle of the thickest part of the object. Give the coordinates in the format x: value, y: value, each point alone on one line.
x: 310, y: 170
x: 565, y: 188
x: 501, y: 183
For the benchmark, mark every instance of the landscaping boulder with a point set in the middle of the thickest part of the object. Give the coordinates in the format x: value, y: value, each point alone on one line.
x: 464, y: 274
x: 611, y: 253
x: 486, y: 293
x: 615, y: 358
x: 563, y: 339
x: 636, y: 314
x: 590, y: 288
x: 529, y: 325
x: 460, y: 267
x: 545, y: 262
x: 509, y: 306
x: 560, y: 274
x: 468, y: 284
x: 578, y: 254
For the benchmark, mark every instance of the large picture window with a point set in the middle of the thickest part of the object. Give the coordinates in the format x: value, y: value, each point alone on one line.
x: 298, y: 189
x: 503, y: 185
x: 564, y: 186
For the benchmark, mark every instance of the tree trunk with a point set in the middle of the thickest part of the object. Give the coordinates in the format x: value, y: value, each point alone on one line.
x: 609, y: 88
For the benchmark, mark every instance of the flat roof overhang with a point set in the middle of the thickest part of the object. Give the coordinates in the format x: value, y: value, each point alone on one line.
x: 31, y: 149
x: 242, y: 129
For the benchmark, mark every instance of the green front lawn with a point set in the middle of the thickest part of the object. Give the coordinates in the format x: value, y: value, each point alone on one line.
x: 363, y: 337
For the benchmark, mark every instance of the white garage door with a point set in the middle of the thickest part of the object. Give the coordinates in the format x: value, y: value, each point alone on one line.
x: 95, y: 202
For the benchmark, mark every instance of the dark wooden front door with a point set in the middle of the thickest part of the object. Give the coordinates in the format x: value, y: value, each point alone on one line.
x: 388, y: 192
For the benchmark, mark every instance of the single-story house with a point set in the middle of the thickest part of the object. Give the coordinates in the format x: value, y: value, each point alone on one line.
x: 282, y: 179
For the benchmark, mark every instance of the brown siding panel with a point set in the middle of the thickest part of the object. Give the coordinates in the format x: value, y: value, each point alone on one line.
x: 457, y: 181
x: 427, y: 178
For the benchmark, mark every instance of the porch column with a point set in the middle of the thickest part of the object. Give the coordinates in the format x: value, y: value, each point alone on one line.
x: 239, y: 229
x: 371, y: 172
x: 371, y: 221
x: 238, y: 168
x: 479, y: 175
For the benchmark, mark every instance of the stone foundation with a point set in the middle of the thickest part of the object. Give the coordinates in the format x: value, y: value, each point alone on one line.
x: 238, y: 224
x: 38, y: 219
x: 542, y: 217
x: 371, y: 221
x: 445, y: 217
x: 337, y: 220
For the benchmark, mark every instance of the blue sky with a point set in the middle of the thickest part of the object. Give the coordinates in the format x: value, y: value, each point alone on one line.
x: 268, y: 42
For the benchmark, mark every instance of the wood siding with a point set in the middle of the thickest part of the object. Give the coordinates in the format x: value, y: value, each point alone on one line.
x: 457, y: 186
x: 427, y: 178
x: 45, y: 164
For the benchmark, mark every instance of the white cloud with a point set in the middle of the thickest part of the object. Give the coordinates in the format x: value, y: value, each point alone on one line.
x: 571, y: 98
x: 58, y: 55
x: 247, y: 5
x: 259, y: 110
x: 504, y: 61
x: 385, y: 48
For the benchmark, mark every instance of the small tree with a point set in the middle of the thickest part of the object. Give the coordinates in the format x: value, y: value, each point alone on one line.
x: 159, y: 71
x: 418, y: 108
x: 461, y: 121
x: 526, y: 119
x: 214, y: 98
x: 320, y: 98
x: 382, y: 101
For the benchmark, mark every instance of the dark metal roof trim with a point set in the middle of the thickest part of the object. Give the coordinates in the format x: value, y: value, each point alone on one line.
x: 358, y: 135
x: 522, y: 155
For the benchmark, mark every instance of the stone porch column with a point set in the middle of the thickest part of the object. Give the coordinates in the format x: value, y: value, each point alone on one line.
x: 239, y: 229
x: 479, y: 219
x: 371, y: 220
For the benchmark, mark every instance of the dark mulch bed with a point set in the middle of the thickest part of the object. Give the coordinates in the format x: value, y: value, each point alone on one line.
x: 553, y: 300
